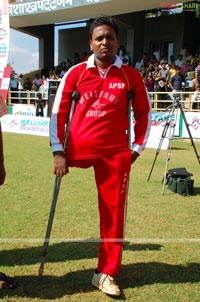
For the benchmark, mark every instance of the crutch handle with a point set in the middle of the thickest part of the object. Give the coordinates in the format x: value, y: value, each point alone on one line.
x: 75, y: 95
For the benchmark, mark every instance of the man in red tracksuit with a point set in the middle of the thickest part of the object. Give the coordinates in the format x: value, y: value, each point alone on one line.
x: 98, y: 137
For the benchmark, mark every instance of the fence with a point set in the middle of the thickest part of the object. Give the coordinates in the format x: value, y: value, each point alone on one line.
x: 24, y: 97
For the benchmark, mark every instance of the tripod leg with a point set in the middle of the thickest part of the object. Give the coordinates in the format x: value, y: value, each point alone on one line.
x: 171, y: 137
x: 159, y: 146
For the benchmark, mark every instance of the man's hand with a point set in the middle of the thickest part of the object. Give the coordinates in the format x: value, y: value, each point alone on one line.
x: 60, y: 165
x: 134, y: 156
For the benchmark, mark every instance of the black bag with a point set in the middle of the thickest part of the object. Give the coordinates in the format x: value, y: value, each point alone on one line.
x: 179, y: 181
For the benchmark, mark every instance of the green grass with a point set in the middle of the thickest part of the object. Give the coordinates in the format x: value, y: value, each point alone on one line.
x: 161, y: 260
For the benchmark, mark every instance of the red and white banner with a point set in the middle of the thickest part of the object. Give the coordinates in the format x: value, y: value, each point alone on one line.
x: 4, y: 34
x: 4, y: 44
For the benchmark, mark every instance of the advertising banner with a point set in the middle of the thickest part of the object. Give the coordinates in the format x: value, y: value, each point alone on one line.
x: 193, y: 122
x: 4, y: 43
x: 4, y: 35
x: 25, y: 124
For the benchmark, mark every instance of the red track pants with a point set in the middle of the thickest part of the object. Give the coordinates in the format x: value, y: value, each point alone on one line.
x: 111, y: 175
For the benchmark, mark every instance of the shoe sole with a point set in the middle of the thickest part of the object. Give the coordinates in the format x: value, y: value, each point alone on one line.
x: 105, y: 291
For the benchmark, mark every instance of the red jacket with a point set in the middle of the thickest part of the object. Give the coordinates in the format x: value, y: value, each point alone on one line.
x: 99, y: 124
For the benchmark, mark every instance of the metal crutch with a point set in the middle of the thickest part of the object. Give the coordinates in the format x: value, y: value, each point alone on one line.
x: 130, y: 96
x: 57, y: 182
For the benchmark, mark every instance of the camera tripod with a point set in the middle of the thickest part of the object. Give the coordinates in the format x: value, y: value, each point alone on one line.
x: 169, y: 127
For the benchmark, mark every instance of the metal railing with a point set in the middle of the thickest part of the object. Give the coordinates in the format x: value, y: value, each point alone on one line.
x: 24, y: 97
x: 162, y: 100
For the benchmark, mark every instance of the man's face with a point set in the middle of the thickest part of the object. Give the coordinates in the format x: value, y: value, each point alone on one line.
x: 104, y: 43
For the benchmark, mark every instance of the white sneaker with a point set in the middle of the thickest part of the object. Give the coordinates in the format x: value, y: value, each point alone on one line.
x: 106, y: 283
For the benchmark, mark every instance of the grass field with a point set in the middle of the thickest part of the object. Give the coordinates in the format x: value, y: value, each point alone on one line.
x: 161, y: 259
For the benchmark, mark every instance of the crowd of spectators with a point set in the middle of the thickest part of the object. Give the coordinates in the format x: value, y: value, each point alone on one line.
x: 179, y: 74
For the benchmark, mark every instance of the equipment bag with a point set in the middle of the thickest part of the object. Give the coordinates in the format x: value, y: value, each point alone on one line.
x: 179, y: 181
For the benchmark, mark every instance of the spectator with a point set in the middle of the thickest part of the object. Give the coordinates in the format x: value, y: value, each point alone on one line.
x: 171, y: 60
x: 197, y: 73
x: 138, y: 65
x: 37, y: 82
x: 149, y: 68
x: 53, y: 75
x: 149, y: 82
x: 125, y: 57
x: 156, y: 70
x: 143, y: 71
x: 13, y: 87
x: 164, y: 71
x: 154, y: 60
x: 145, y: 60
x: 160, y: 86
x: 196, y: 98
x: 39, y: 104
x: 172, y: 71
x: 176, y: 81
x: 20, y: 87
x: 186, y: 67
x: 179, y: 61
x: 194, y: 60
x: 44, y: 86
x: 27, y: 84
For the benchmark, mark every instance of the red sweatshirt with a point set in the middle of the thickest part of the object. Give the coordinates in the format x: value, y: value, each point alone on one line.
x: 99, y: 123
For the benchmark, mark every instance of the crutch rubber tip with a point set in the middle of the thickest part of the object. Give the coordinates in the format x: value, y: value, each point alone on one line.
x: 40, y: 272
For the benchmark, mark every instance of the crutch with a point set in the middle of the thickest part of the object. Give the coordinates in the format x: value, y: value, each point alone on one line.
x: 57, y: 182
x: 130, y: 96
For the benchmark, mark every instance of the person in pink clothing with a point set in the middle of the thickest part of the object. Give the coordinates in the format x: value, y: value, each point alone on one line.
x: 6, y: 282
x: 98, y: 137
x: 3, y: 111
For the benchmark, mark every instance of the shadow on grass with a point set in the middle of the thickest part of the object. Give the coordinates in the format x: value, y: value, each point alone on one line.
x: 132, y: 276
x: 196, y: 191
x: 61, y: 252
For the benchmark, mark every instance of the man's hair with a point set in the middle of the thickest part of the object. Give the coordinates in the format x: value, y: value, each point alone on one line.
x: 104, y: 21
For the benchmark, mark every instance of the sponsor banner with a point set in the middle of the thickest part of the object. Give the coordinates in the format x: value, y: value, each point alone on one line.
x: 4, y: 43
x: 4, y: 35
x: 193, y: 121
x: 42, y: 6
x: 24, y: 121
x: 5, y: 81
x: 25, y: 124
x: 26, y: 110
x: 164, y: 126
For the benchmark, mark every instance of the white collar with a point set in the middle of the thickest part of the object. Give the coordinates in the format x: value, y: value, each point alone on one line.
x: 117, y: 62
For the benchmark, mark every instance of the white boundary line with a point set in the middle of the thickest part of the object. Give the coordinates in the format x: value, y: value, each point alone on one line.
x: 90, y: 240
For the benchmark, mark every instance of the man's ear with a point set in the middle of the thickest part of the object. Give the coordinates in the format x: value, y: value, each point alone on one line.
x: 90, y: 43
